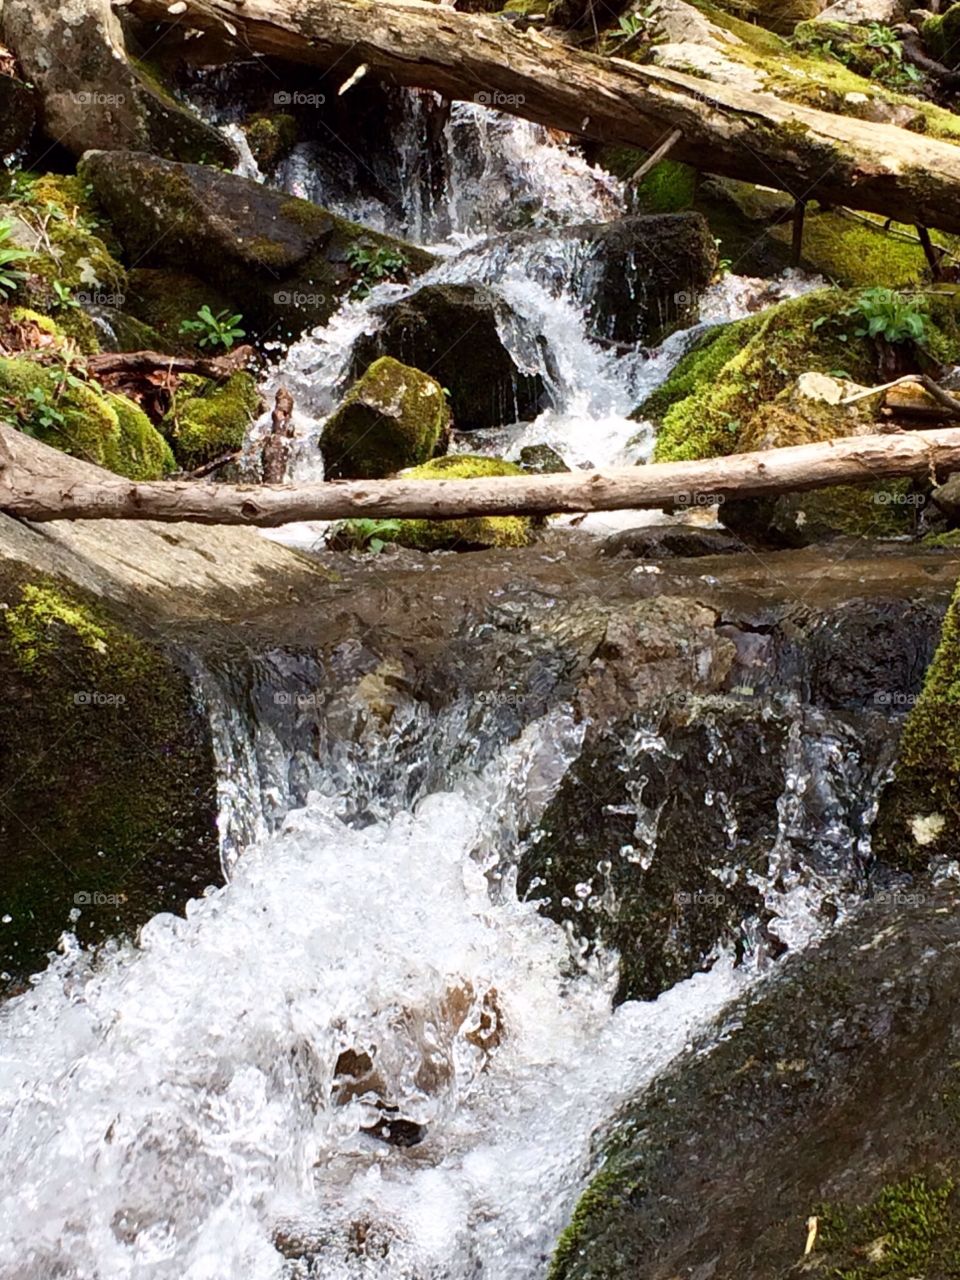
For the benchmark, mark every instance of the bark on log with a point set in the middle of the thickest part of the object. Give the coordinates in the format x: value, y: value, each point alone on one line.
x: 217, y: 367
x: 725, y: 130
x: 38, y: 483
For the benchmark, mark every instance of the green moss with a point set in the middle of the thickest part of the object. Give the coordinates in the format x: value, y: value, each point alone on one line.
x: 608, y: 1190
x: 706, y: 406
x: 668, y: 188
x: 949, y: 540
x: 910, y: 1229
x: 208, y: 419
x: 31, y: 630
x: 470, y: 533
x: 851, y: 252
x: 392, y: 417
x: 941, y: 35
x: 83, y: 420
x: 270, y: 137
x: 106, y: 770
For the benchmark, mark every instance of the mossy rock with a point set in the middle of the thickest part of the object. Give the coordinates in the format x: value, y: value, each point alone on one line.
x: 107, y: 772
x: 285, y: 260
x: 208, y: 419
x: 472, y: 533
x: 941, y: 35
x: 775, y: 15
x: 163, y: 299
x: 706, y: 406
x: 919, y: 813
x: 452, y: 332
x: 83, y: 420
x: 669, y: 187
x: 392, y: 417
x: 270, y: 137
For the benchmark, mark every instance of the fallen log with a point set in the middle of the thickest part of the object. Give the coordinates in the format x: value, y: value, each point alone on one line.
x: 219, y: 368
x: 726, y: 130
x: 38, y: 483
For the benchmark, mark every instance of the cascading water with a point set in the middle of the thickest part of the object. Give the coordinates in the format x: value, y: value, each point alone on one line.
x: 365, y: 1056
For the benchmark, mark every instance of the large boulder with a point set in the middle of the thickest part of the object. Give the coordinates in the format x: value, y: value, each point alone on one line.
x: 285, y: 263
x: 93, y: 94
x: 816, y: 1115
x: 639, y: 277
x: 392, y: 417
x: 453, y: 333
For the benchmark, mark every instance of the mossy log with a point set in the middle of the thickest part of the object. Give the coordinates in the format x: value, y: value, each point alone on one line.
x: 38, y: 483
x: 725, y: 130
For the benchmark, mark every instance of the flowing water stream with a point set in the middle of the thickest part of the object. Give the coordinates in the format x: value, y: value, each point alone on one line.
x: 211, y: 1102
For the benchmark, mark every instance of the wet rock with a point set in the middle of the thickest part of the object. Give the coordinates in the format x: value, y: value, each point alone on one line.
x: 662, y: 542
x: 284, y: 263
x: 94, y: 94
x: 541, y: 460
x: 106, y: 766
x: 18, y: 115
x: 392, y: 417
x: 271, y: 137
x: 639, y: 277
x: 471, y: 533
x: 829, y: 1093
x: 453, y: 333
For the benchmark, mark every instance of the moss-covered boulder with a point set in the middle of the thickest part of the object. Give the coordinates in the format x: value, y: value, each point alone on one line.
x: 285, y: 263
x: 95, y: 93
x: 107, y: 774
x: 392, y: 417
x: 941, y: 35
x: 472, y: 533
x: 72, y: 268
x: 18, y: 114
x: 920, y: 811
x: 452, y: 332
x: 270, y: 137
x: 208, y: 419
x: 82, y: 419
x: 747, y: 386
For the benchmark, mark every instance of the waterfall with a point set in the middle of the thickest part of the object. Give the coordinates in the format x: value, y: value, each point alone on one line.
x: 366, y: 1055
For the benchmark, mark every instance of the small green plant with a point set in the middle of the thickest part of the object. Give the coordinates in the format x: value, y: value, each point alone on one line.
x: 220, y: 330
x: 373, y: 266
x: 366, y: 535
x: 884, y: 38
x: 63, y: 298
x: 10, y: 254
x: 887, y: 315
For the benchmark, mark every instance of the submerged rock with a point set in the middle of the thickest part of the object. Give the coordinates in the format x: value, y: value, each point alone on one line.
x: 541, y: 460
x: 662, y: 542
x: 286, y: 264
x: 392, y: 417
x: 453, y: 333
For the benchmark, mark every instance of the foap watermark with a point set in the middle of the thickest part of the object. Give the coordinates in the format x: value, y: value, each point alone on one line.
x: 894, y: 698
x: 698, y: 898
x: 93, y: 298
x: 93, y: 98
x: 294, y: 298
x: 501, y: 698
x: 494, y: 98
x: 97, y: 698
x: 890, y: 498
x: 302, y: 701
x: 697, y: 499
x: 95, y: 898
x: 286, y: 98
x: 684, y: 298
x: 899, y: 898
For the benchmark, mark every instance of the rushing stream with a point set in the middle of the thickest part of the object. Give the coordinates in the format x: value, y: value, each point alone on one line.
x: 211, y: 1102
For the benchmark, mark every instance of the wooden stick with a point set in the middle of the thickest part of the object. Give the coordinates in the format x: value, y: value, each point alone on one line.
x: 660, y: 154
x: 42, y: 484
